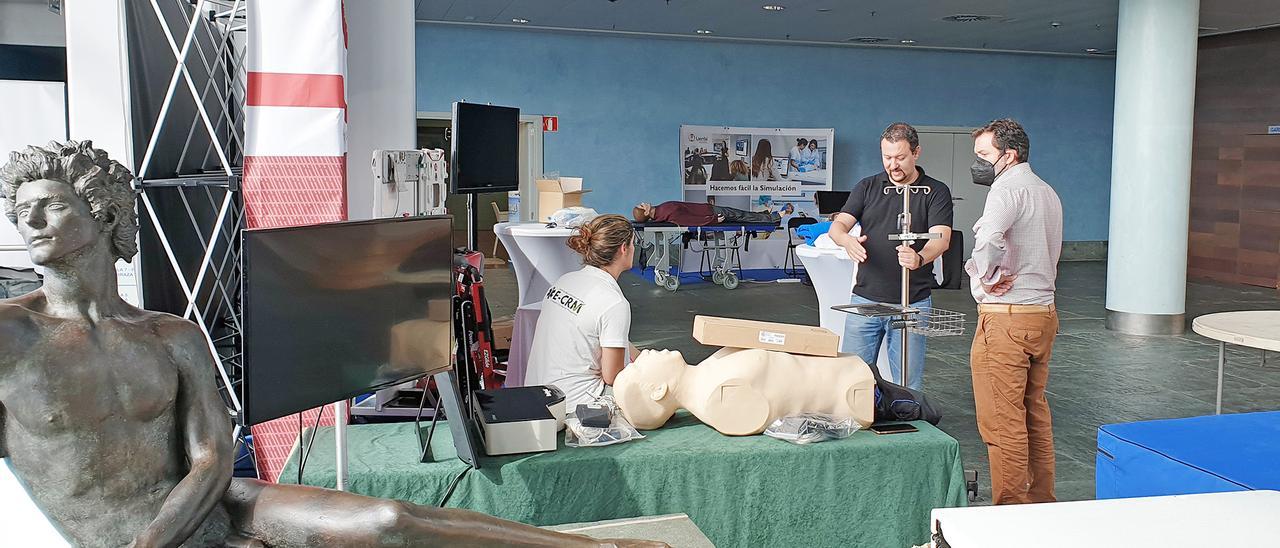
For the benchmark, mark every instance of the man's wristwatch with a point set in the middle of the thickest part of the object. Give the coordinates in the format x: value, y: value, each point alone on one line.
x: 921, y: 259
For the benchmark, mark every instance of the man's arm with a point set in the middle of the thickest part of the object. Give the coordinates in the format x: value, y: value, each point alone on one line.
x: 932, y: 250
x: 205, y: 434
x: 989, y: 245
x: 843, y: 223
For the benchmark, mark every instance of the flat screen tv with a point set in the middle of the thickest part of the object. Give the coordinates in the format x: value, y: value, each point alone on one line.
x: 485, y: 149
x: 335, y: 310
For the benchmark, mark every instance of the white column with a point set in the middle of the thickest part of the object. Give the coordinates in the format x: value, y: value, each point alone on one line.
x: 381, y: 100
x: 1151, y: 166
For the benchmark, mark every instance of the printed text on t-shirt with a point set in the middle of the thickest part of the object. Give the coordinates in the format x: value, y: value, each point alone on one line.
x: 569, y: 302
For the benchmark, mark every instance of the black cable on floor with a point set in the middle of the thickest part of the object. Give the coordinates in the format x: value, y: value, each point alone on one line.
x: 453, y: 485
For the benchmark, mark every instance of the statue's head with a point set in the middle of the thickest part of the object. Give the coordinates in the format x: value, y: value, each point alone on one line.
x: 66, y: 198
x: 645, y: 389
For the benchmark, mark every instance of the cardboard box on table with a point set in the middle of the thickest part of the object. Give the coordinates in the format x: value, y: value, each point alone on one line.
x: 736, y: 333
x: 557, y: 194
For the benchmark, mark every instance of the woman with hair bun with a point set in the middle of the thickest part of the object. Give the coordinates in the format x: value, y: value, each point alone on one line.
x: 583, y: 331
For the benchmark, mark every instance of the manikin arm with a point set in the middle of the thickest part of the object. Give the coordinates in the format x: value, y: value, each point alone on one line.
x: 203, y: 427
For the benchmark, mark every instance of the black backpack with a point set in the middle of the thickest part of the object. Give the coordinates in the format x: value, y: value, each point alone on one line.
x: 895, y: 402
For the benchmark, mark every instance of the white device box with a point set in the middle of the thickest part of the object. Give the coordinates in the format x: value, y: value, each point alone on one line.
x: 519, y: 420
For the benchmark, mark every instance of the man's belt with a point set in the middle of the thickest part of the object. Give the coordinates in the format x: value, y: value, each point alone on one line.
x: 1015, y: 308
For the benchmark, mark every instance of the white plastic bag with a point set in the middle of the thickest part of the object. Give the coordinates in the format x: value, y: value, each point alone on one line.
x: 573, y: 217
x: 812, y: 428
x: 619, y: 430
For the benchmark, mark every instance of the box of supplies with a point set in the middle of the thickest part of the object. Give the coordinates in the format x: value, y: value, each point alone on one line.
x: 736, y: 333
x: 557, y: 194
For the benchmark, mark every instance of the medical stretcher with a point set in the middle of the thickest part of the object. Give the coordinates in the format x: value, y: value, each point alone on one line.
x: 718, y: 244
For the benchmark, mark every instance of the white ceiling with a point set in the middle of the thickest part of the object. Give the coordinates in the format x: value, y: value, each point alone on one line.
x: 1016, y: 25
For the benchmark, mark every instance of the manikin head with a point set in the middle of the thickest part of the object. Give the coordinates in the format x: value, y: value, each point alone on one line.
x: 646, y: 390
x: 642, y: 212
x: 67, y: 200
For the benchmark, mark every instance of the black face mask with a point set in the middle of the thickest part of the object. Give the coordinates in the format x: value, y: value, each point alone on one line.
x: 984, y: 172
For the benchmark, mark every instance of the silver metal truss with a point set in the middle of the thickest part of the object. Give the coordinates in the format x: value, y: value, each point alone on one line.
x: 213, y: 296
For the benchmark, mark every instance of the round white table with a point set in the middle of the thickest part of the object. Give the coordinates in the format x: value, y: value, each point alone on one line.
x: 539, y: 257
x: 1252, y: 328
x: 832, y: 273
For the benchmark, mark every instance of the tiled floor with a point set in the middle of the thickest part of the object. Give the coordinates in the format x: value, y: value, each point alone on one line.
x: 1097, y: 376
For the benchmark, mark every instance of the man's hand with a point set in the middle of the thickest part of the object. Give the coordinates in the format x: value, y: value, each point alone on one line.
x: 1001, y: 287
x: 909, y: 258
x: 853, y: 246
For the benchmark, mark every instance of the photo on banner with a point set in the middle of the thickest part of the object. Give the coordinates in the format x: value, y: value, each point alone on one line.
x: 759, y: 169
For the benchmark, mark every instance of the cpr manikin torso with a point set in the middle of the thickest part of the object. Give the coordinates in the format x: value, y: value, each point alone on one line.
x: 740, y: 392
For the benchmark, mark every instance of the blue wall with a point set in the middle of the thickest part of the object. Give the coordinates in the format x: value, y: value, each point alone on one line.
x: 621, y: 102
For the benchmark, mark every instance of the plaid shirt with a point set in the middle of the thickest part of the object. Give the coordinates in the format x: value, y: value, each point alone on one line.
x: 1020, y: 232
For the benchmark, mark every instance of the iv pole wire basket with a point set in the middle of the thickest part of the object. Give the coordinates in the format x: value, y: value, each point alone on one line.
x: 937, y: 322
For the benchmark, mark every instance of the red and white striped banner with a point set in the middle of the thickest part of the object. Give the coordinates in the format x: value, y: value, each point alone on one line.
x: 295, y: 144
x: 295, y: 117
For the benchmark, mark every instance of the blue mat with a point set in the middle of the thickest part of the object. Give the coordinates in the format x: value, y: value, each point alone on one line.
x: 1210, y: 454
x: 748, y: 275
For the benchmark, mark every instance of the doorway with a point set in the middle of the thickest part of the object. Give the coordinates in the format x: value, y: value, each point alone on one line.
x: 434, y: 132
x: 946, y: 154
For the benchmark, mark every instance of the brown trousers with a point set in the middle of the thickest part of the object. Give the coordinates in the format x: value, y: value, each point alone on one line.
x: 1010, y: 365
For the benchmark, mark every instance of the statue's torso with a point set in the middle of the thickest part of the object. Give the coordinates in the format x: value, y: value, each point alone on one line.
x: 90, y: 422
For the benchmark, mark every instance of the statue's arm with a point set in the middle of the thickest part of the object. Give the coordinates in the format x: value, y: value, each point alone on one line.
x: 205, y: 432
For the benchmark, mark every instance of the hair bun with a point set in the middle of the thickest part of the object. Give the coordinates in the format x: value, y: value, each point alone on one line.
x: 580, y: 241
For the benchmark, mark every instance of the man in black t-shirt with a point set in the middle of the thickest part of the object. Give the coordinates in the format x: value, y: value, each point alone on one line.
x: 880, y: 260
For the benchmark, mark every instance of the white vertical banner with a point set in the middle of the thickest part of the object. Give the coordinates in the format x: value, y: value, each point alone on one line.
x: 31, y: 113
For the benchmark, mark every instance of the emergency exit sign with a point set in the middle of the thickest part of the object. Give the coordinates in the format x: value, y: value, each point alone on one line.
x: 550, y: 124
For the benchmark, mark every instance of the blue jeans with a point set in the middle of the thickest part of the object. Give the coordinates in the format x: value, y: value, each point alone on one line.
x: 863, y: 336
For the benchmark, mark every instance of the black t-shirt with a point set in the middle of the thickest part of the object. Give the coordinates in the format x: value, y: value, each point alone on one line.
x: 880, y: 277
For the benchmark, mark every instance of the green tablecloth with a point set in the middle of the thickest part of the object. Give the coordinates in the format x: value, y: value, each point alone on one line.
x: 868, y: 490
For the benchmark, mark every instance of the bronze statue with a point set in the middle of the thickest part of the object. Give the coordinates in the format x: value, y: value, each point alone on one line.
x: 110, y: 416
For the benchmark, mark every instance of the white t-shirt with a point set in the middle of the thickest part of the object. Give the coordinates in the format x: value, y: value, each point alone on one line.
x: 582, y: 313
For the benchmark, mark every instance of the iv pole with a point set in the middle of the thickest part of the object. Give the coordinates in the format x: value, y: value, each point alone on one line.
x: 906, y: 237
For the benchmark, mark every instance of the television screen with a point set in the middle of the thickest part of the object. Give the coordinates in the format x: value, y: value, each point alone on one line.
x: 485, y: 143
x: 830, y: 201
x: 336, y: 310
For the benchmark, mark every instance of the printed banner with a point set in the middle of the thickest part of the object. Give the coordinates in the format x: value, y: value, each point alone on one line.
x: 295, y: 146
x: 758, y: 169
x: 295, y: 114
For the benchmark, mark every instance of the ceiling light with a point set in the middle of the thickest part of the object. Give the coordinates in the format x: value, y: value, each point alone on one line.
x: 703, y: 31
x: 774, y: 7
x: 868, y: 39
x: 519, y: 21
x: 967, y: 18
x: 823, y: 10
x: 907, y: 42
x: 1092, y: 50
x: 1055, y: 24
